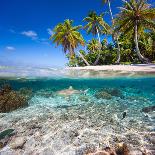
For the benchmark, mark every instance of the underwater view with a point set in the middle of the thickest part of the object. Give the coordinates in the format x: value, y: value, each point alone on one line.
x: 77, y: 77
x: 77, y: 116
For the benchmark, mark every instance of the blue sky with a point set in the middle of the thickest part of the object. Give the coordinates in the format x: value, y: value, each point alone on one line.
x: 25, y: 25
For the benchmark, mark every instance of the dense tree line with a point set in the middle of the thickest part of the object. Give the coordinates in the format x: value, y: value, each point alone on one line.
x: 132, y: 32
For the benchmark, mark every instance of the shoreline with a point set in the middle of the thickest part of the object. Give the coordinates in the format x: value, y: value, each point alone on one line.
x: 104, y: 71
x: 149, y: 68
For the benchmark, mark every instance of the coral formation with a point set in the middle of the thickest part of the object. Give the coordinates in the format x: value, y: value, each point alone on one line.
x: 103, y: 95
x: 107, y: 93
x: 11, y: 100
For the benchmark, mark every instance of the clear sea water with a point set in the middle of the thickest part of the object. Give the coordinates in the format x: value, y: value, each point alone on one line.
x: 67, y: 124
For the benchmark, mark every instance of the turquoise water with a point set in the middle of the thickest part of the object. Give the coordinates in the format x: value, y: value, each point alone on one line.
x: 93, y: 116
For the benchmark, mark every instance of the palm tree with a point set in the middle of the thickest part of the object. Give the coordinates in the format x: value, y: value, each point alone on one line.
x: 93, y: 45
x: 135, y: 18
x: 146, y: 44
x: 96, y: 25
x: 104, y: 44
x: 112, y: 19
x: 68, y: 36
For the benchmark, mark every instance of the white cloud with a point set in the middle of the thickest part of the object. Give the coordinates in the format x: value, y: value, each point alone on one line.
x: 50, y: 32
x: 31, y: 34
x: 10, y: 48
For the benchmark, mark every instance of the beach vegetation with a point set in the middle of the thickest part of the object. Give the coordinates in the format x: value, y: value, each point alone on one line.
x: 135, y: 19
x: 132, y: 33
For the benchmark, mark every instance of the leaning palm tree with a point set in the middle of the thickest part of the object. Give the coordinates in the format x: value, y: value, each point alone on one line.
x: 96, y: 26
x: 69, y: 37
x: 135, y: 18
x: 117, y: 42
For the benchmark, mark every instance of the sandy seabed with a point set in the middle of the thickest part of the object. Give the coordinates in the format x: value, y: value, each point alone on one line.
x: 80, y: 124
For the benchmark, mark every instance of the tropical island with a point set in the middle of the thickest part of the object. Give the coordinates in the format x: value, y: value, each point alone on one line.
x: 102, y: 102
x: 131, y: 30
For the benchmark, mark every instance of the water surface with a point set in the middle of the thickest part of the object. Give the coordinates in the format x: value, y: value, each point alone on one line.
x: 73, y: 124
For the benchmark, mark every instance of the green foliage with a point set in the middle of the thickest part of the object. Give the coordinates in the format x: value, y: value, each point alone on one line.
x: 108, y: 56
x: 135, y: 10
x: 67, y: 35
x: 134, y: 20
x: 147, y: 45
x: 93, y: 45
x: 123, y: 28
x: 96, y: 24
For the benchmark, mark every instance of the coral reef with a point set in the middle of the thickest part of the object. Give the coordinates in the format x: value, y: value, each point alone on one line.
x: 11, y: 100
x: 107, y: 93
x: 80, y: 124
x: 103, y: 95
x: 114, y: 92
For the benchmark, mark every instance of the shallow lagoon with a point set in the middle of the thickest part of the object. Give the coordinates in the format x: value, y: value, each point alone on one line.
x: 82, y: 122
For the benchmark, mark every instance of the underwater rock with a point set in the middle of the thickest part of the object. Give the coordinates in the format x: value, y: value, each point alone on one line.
x: 1, y: 145
x: 110, y: 151
x: 124, y: 114
x: 114, y: 92
x: 148, y: 109
x: 11, y: 100
x: 6, y: 133
x: 17, y: 142
x: 5, y: 137
x: 122, y: 149
x: 106, y: 151
x: 103, y: 95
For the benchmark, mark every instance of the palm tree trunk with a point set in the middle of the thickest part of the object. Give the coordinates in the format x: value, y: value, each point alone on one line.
x: 98, y: 35
x: 117, y: 42
x: 86, y: 62
x: 142, y: 58
x: 98, y: 57
x: 109, y: 4
x: 118, y: 52
x: 71, y: 52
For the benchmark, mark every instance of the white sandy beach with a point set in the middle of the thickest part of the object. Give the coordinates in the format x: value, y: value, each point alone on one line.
x: 126, y: 68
